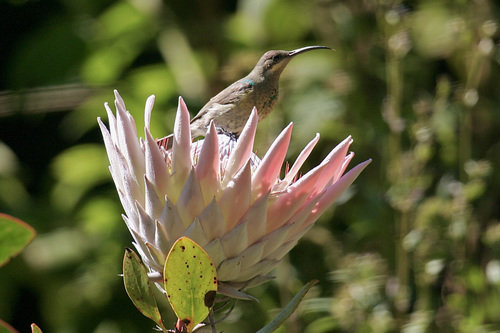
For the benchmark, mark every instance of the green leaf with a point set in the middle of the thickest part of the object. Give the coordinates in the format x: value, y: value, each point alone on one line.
x: 190, y: 281
x: 15, y: 235
x: 287, y: 310
x: 35, y: 329
x: 135, y: 278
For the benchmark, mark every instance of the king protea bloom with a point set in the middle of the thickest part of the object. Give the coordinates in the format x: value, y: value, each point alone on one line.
x: 217, y: 192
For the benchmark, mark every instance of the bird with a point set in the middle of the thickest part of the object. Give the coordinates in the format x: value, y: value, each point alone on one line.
x: 230, y: 109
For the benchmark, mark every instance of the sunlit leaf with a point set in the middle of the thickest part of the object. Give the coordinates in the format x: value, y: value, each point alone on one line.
x: 14, y: 236
x: 137, y: 285
x: 190, y: 281
x: 287, y: 310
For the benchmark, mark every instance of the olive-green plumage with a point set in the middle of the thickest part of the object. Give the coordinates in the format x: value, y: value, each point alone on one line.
x: 231, y: 108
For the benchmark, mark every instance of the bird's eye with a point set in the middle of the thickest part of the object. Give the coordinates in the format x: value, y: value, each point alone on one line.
x: 276, y: 57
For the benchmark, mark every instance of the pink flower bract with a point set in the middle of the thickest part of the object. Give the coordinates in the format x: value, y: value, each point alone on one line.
x: 217, y: 192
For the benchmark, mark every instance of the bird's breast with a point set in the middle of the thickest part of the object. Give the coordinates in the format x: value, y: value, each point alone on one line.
x: 267, y: 103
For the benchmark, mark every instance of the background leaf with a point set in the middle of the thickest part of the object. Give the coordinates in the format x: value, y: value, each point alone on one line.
x: 287, y: 310
x: 15, y: 235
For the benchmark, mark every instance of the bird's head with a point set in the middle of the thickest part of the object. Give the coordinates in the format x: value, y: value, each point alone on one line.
x: 272, y: 63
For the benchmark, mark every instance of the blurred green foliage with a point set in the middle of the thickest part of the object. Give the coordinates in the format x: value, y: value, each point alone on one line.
x: 415, y: 246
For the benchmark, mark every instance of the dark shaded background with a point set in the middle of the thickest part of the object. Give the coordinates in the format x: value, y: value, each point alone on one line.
x: 415, y: 245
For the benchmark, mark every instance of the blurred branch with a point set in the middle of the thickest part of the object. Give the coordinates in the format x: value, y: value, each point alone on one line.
x: 56, y: 98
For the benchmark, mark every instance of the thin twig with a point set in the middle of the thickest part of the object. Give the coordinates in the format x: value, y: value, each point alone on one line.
x: 211, y: 321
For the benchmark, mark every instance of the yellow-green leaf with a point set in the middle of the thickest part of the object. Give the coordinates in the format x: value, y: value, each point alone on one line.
x: 135, y: 278
x: 190, y: 281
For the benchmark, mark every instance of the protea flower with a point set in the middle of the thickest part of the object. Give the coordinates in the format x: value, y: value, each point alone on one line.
x: 217, y: 192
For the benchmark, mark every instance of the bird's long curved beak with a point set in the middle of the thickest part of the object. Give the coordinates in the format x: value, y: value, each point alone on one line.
x: 307, y: 48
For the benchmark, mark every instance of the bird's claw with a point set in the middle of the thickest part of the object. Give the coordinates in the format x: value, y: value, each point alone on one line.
x: 231, y: 135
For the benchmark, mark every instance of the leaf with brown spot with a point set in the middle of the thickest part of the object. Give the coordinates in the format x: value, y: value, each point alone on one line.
x: 190, y: 282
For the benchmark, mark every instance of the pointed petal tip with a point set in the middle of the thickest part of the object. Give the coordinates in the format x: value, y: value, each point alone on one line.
x: 253, y: 119
x: 211, y: 128
x: 335, y: 190
x: 286, y: 134
x: 101, y: 125
x: 313, y: 141
x: 182, y: 102
x: 304, y: 154
x: 148, y: 110
x: 182, y: 117
x: 365, y: 163
x: 270, y: 166
x: 150, y: 101
x: 356, y: 171
x: 183, y: 110
x: 348, y: 140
